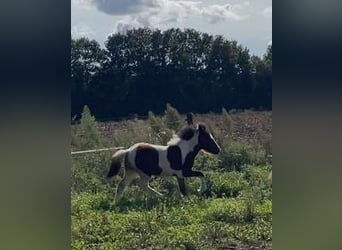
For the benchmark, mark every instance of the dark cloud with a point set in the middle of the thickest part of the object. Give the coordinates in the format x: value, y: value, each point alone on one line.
x: 122, y: 7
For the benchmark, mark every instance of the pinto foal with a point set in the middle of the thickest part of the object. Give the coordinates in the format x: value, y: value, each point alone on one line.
x: 175, y: 159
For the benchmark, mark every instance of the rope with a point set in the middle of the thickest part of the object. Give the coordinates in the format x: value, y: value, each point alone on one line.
x: 95, y: 150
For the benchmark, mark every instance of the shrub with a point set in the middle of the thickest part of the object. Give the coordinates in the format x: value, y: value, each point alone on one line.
x: 237, y: 154
x: 257, y: 189
x: 156, y: 123
x: 205, y: 161
x: 259, y: 183
x: 266, y: 142
x: 227, y: 122
x: 162, y: 133
x: 172, y: 118
x: 225, y: 211
x: 135, y: 131
x: 90, y: 135
x: 223, y: 184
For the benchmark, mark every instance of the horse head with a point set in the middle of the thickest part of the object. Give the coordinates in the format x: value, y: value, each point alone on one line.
x: 206, y: 141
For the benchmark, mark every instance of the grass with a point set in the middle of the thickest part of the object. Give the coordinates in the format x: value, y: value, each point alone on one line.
x: 236, y: 212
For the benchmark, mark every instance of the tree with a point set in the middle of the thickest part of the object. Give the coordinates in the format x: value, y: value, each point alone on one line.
x: 144, y: 69
x: 86, y: 61
x: 262, y: 80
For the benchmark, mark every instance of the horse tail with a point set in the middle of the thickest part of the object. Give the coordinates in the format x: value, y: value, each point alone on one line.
x: 116, y: 163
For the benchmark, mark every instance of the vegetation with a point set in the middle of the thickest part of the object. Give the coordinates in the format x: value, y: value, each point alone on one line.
x: 144, y: 69
x: 236, y: 212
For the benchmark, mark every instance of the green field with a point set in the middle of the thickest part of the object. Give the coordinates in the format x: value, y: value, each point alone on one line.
x: 236, y: 212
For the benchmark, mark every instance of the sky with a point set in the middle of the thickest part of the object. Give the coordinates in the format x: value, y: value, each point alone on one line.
x: 247, y: 22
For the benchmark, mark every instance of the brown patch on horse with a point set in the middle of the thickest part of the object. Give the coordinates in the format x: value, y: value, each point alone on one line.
x: 147, y: 160
x: 186, y: 133
x: 190, y: 158
x: 174, y: 156
x: 114, y: 169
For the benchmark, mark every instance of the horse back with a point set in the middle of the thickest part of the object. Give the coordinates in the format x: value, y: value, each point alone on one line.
x: 156, y: 160
x: 145, y: 158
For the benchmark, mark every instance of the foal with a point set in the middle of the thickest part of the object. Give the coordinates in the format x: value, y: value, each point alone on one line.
x: 175, y: 159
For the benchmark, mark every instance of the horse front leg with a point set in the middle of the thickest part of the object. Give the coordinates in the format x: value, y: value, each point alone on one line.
x: 199, y: 174
x: 182, y: 186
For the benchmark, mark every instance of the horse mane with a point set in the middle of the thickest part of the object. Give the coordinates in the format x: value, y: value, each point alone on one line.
x: 185, y: 133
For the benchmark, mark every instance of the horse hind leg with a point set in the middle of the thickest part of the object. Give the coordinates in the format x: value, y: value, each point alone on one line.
x: 126, y: 181
x: 144, y: 184
x: 203, y: 186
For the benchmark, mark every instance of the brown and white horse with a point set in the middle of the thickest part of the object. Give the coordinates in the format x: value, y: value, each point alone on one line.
x: 175, y: 159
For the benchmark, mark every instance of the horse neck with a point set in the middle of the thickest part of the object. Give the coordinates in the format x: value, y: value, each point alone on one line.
x: 189, y: 150
x: 190, y: 158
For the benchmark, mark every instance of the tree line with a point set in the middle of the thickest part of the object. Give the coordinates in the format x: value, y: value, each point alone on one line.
x: 144, y: 69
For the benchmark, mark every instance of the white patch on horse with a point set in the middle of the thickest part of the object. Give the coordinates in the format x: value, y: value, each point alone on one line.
x: 174, y: 140
x: 164, y: 163
x: 211, y: 136
x: 184, y: 145
x: 187, y: 146
x: 132, y: 154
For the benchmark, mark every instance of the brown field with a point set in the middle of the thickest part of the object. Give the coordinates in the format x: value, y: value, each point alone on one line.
x: 247, y: 125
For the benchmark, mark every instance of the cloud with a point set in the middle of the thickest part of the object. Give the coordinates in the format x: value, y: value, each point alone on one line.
x: 216, y: 13
x: 168, y: 11
x: 81, y: 30
x: 268, y: 39
x: 80, y: 2
x: 267, y: 12
x: 240, y: 6
x: 124, y: 25
x: 118, y: 7
x: 154, y: 12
